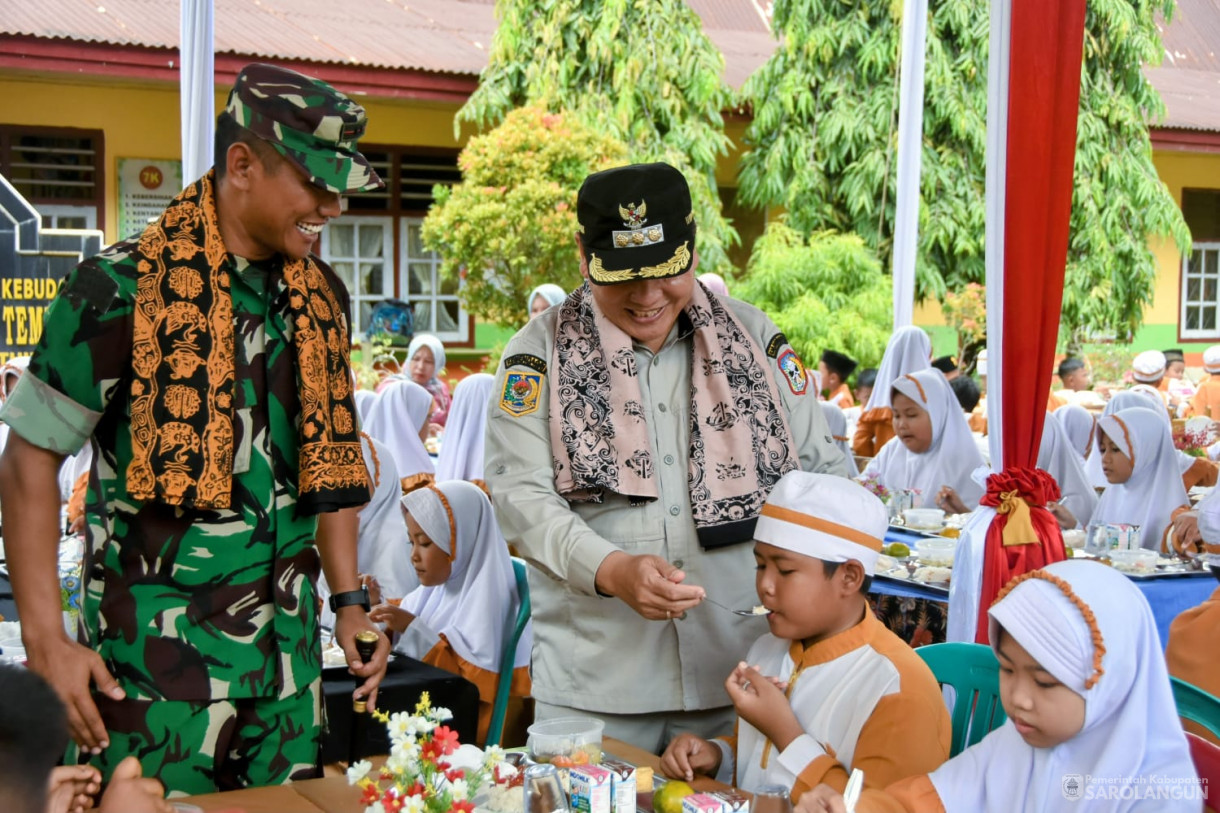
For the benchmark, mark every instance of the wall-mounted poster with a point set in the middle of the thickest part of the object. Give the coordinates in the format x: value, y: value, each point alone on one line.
x: 145, y: 188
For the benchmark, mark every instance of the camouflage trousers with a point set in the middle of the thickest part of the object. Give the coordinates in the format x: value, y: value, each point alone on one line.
x: 222, y: 745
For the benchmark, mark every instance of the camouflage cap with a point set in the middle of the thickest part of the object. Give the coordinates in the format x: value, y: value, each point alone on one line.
x: 308, y: 122
x: 636, y: 223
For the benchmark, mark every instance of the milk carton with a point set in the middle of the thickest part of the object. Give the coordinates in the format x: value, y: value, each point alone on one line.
x: 591, y: 787
x: 734, y: 801
x: 702, y: 803
x: 622, y: 785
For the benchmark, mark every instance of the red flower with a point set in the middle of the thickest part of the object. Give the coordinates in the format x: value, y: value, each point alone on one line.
x: 447, y: 738
x: 371, y: 794
x: 455, y: 774
x: 391, y: 802
x: 415, y: 790
x: 464, y: 806
x: 430, y: 751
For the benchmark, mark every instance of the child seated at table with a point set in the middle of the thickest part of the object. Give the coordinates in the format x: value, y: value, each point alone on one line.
x: 1140, y: 463
x: 830, y: 688
x: 1085, y: 689
x: 932, y: 449
x: 457, y: 618
x: 33, y: 736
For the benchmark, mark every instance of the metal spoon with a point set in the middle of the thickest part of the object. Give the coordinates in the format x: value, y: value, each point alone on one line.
x: 747, y: 613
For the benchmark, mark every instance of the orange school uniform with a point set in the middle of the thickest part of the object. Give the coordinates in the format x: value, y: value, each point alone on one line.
x: 442, y: 656
x: 842, y: 397
x: 1193, y: 653
x: 1206, y: 401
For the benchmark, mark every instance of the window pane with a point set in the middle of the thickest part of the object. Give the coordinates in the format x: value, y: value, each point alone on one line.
x: 1193, y: 288
x: 449, y: 284
x: 347, y: 274
x: 421, y: 278
x: 340, y: 236
x: 1212, y: 258
x: 1209, y: 289
x: 371, y: 275
x: 1209, y: 318
x: 372, y: 241
x: 448, y: 316
x: 1192, y: 318
x: 423, y: 317
x: 1196, y: 262
x: 415, y: 245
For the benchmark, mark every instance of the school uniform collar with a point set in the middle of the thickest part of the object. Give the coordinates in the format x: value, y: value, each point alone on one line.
x: 838, y: 645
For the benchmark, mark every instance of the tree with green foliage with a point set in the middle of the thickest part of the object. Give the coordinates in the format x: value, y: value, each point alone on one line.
x: 642, y: 72
x: 510, y: 225
x: 823, y: 142
x: 825, y: 292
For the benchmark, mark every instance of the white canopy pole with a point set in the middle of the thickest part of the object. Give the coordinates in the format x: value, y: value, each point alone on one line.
x: 910, y: 150
x: 197, y: 83
x: 997, y: 162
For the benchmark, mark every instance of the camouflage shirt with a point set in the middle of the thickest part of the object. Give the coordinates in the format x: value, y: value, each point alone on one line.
x: 183, y: 604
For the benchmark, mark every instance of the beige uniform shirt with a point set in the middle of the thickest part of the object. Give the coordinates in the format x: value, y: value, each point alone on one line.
x: 596, y: 653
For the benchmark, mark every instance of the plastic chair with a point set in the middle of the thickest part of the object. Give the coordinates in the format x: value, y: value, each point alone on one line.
x: 1196, y: 705
x: 495, y: 730
x: 1206, y: 756
x: 974, y: 673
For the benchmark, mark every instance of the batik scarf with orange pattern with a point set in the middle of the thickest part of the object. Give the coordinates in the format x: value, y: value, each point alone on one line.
x: 183, y: 369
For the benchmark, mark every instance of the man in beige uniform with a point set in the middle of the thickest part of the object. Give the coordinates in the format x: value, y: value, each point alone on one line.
x: 635, y: 431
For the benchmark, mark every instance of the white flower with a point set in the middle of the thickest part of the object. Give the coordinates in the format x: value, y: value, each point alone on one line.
x: 375, y: 807
x: 493, y: 756
x: 358, y: 771
x: 413, y: 804
x: 400, y: 725
x: 459, y: 789
x: 441, y: 714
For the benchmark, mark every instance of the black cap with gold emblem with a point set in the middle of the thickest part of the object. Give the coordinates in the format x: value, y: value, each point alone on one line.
x: 636, y: 223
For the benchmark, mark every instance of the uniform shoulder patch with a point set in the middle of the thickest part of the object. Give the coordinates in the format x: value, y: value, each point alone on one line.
x: 777, y: 342
x: 794, y: 371
x: 525, y: 360
x: 521, y: 393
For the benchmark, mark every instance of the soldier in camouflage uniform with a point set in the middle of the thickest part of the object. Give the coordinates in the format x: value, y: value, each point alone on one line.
x: 206, y: 362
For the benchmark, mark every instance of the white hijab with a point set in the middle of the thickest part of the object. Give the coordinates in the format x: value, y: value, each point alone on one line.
x: 461, y: 456
x: 1125, y: 399
x: 909, y: 349
x: 364, y: 402
x: 1078, y: 424
x: 382, y: 547
x: 396, y: 418
x: 951, y: 458
x: 836, y: 422
x: 432, y: 343
x: 477, y: 606
x: 1057, y: 457
x: 1131, y: 726
x: 1154, y: 490
x: 549, y: 291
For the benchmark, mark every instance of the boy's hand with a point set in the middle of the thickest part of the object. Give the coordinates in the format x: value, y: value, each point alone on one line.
x: 394, y: 618
x: 1062, y: 515
x: 128, y: 792
x: 948, y: 501
x: 822, y: 799
x: 761, y: 702
x: 71, y: 788
x: 687, y: 755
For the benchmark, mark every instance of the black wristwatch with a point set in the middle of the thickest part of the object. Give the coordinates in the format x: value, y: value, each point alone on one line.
x: 349, y: 598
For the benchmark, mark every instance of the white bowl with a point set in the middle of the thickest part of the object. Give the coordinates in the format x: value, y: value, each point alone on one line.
x: 936, y: 552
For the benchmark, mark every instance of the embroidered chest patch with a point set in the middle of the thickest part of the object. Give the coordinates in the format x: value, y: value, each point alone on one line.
x: 521, y: 393
x: 794, y: 371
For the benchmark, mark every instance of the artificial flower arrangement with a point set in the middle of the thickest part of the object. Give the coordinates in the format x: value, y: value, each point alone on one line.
x: 1193, y: 443
x: 427, y: 770
x: 873, y: 483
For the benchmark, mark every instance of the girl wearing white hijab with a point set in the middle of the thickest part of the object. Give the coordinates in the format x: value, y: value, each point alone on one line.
x: 909, y: 350
x: 1057, y: 458
x: 425, y: 368
x: 457, y: 619
x: 461, y: 456
x: 1091, y: 714
x: 1194, y: 470
x: 836, y: 422
x: 1078, y: 424
x: 1124, y: 399
x: 928, y: 461
x: 544, y: 296
x: 399, y: 419
x: 1145, y: 488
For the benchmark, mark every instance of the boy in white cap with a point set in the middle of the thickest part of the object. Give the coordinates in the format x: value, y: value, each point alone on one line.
x: 1206, y: 401
x: 1149, y: 368
x: 831, y: 689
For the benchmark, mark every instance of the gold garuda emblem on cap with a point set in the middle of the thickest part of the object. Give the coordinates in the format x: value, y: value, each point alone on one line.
x: 636, y: 235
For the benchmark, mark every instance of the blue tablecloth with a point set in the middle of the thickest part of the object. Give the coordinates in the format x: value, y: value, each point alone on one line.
x: 1167, y: 596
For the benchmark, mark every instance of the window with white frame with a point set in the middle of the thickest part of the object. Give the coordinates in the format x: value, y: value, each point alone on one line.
x: 1200, y: 298
x: 361, y: 251
x: 434, y: 299
x: 68, y: 217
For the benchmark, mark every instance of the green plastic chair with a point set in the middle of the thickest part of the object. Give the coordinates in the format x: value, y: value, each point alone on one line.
x: 495, y: 730
x: 1196, y: 705
x: 974, y: 673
